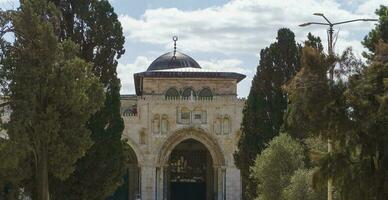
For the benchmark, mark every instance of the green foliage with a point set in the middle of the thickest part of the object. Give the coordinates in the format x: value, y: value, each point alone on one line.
x: 314, y: 42
x: 300, y: 187
x: 266, y: 103
x: 94, y: 25
x: 275, y: 165
x: 380, y: 32
x: 353, y: 115
x: 308, y: 92
x: 52, y: 94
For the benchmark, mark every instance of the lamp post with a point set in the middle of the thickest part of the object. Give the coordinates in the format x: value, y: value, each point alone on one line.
x: 330, y: 33
x: 331, y: 72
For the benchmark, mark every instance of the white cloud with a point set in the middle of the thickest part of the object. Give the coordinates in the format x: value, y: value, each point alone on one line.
x: 241, y: 26
x: 125, y: 73
x: 225, y: 65
x: 370, y: 6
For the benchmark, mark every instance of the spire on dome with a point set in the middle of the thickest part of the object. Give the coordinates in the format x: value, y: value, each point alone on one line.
x: 175, y: 38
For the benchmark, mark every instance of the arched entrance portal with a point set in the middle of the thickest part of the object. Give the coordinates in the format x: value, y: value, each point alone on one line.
x: 190, y: 142
x: 130, y: 189
x: 190, y: 172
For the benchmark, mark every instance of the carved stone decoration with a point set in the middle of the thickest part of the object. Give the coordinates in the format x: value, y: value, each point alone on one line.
x: 226, y: 125
x: 204, y: 117
x: 156, y: 124
x: 218, y: 125
x: 164, y: 124
x: 142, y: 136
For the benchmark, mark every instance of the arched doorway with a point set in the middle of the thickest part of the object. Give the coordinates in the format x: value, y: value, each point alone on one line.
x: 190, y: 172
x: 215, y: 187
x: 130, y: 189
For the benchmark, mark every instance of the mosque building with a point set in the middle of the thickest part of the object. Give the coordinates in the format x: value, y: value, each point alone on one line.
x: 183, y: 127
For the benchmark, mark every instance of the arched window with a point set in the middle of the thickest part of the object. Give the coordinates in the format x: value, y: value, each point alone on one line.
x: 142, y: 137
x: 217, y: 125
x: 226, y: 125
x: 127, y: 112
x: 205, y: 93
x: 172, y: 93
x: 156, y: 124
x: 189, y: 92
x: 164, y: 124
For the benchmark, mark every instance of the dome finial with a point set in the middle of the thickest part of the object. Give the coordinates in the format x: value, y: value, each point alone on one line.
x: 175, y: 38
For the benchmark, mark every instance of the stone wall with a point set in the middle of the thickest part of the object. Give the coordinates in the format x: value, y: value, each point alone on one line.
x: 148, y: 137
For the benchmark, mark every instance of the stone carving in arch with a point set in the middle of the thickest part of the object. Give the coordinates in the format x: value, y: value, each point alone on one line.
x: 164, y: 125
x: 190, y: 133
x: 156, y: 124
x: 217, y: 126
x: 226, y: 125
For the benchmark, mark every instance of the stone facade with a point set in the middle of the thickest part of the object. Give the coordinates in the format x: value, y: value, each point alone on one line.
x: 156, y: 123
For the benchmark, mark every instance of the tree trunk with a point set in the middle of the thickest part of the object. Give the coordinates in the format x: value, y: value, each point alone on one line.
x: 42, y: 186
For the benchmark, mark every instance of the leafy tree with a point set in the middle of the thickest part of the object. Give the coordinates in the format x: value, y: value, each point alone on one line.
x: 353, y: 115
x: 380, y: 32
x: 266, y: 103
x: 275, y: 165
x: 314, y: 42
x: 300, y: 187
x: 94, y: 25
x: 52, y: 94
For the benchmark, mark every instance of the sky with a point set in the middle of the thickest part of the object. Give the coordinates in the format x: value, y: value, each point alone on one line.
x: 227, y: 35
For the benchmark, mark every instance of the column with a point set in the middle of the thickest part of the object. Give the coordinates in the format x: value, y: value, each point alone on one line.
x: 220, y: 181
x: 148, y: 189
x: 233, y: 184
x: 160, y: 177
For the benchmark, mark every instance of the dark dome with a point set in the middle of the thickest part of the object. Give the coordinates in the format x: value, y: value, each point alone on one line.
x: 167, y: 61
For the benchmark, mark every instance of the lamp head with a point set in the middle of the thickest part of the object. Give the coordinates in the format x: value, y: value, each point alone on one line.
x: 370, y: 20
x: 318, y: 14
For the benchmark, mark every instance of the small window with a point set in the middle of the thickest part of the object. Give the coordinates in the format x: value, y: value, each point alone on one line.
x: 206, y: 94
x: 185, y: 116
x: 127, y: 112
x: 198, y: 116
x: 172, y: 93
x: 188, y: 92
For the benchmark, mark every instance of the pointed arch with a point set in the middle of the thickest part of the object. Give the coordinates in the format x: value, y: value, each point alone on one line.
x: 187, y: 92
x: 190, y: 133
x: 205, y: 93
x: 172, y: 93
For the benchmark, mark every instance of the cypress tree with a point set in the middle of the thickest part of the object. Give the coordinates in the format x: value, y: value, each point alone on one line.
x: 52, y: 94
x: 266, y: 104
x: 380, y: 32
x: 94, y: 25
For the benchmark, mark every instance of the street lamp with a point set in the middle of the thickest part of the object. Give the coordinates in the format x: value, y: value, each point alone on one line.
x: 330, y: 30
x: 331, y: 72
